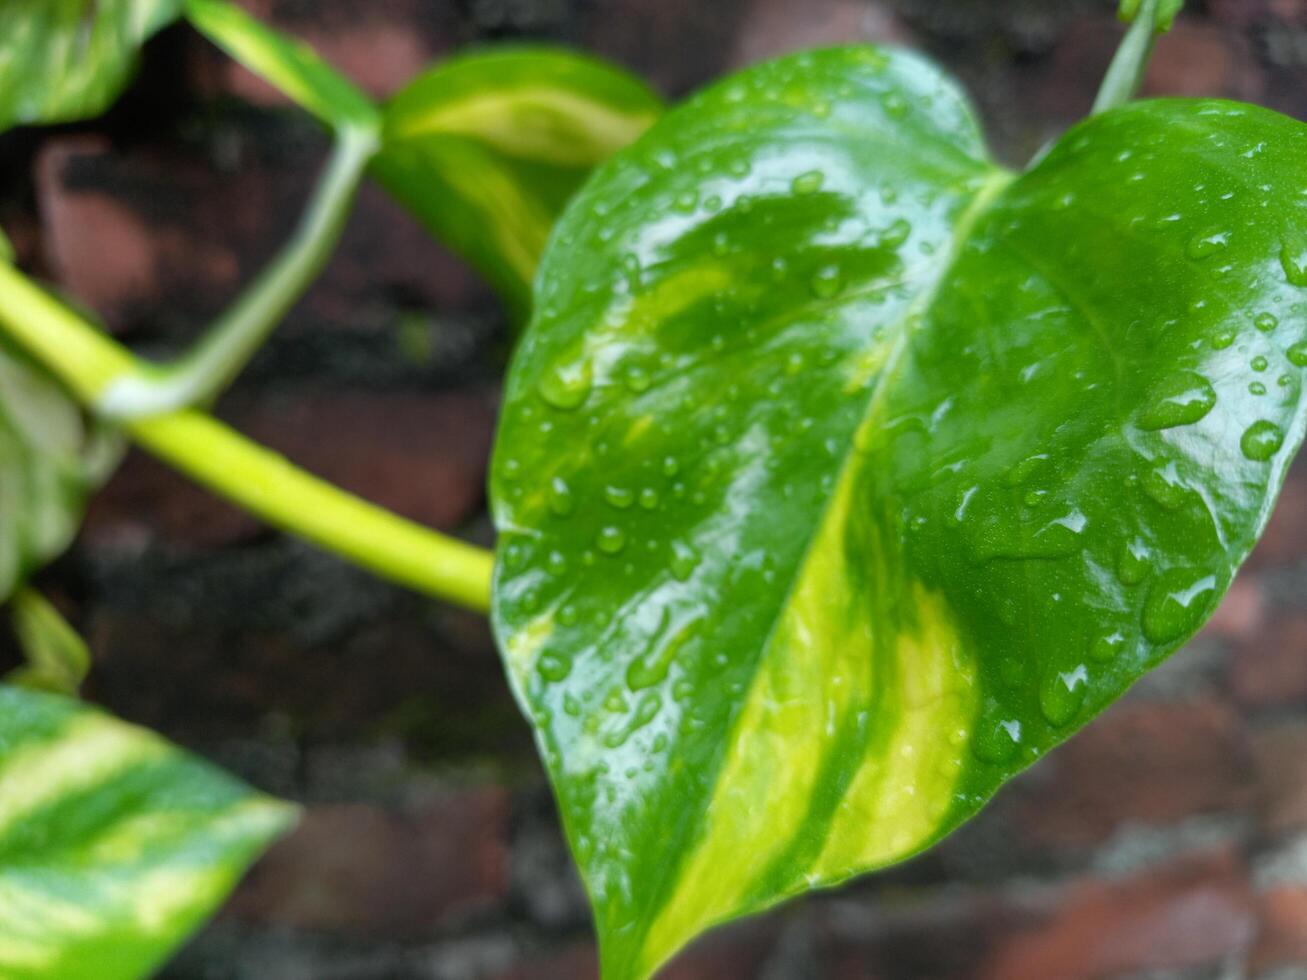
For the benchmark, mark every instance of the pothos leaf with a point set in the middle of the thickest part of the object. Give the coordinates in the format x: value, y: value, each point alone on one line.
x: 51, y: 458
x: 842, y: 473
x: 68, y: 59
x: 487, y: 148
x: 113, y: 843
x: 1167, y: 11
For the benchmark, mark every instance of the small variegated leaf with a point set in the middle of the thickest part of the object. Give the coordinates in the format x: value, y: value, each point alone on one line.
x: 51, y: 459
x: 843, y: 473
x: 62, y: 60
x: 114, y: 844
x: 487, y: 148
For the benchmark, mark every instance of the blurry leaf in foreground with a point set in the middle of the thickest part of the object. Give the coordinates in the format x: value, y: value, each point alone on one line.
x: 114, y: 844
x: 57, y: 657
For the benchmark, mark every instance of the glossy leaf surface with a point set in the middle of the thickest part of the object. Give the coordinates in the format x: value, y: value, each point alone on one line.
x: 843, y: 474
x: 51, y: 458
x: 487, y: 148
x: 68, y: 59
x: 113, y: 843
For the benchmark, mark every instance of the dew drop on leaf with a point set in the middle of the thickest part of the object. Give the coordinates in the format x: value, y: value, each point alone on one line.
x: 1293, y: 259
x: 1062, y: 695
x: 895, y: 106
x: 1206, y: 245
x: 567, y: 386
x: 1177, y: 603
x: 1107, y: 647
x: 1182, y: 399
x: 1261, y: 441
x: 611, y: 540
x: 896, y: 234
x: 685, y: 559
x: 827, y: 282
x: 1266, y: 322
x: 561, y: 501
x: 1135, y: 562
x: 649, y: 498
x: 996, y: 740
x: 1259, y: 363
x: 553, y: 668
x: 1223, y: 338
x: 1163, y: 485
x: 808, y: 183
x: 1256, y: 388
x: 1297, y: 354
x: 619, y: 497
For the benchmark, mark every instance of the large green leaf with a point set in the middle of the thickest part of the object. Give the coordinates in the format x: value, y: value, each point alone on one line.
x: 487, y: 148
x: 68, y: 59
x: 51, y: 458
x: 842, y: 474
x: 113, y: 843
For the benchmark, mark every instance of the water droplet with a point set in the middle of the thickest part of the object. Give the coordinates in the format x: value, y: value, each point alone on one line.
x: 619, y: 497
x: 610, y: 540
x: 1267, y: 322
x: 636, y: 378
x: 561, y: 501
x: 1293, y: 259
x: 1177, y: 603
x: 1062, y: 695
x: 670, y: 466
x: 896, y: 234
x: 686, y: 201
x: 827, y: 282
x: 1256, y: 388
x: 649, y: 498
x: 1259, y: 363
x: 651, y: 669
x: 1135, y: 563
x: 996, y: 740
x: 1223, y: 338
x: 553, y: 668
x: 1182, y: 399
x: 1108, y: 647
x: 557, y: 562
x: 685, y: 559
x: 1261, y: 441
x: 1164, y: 486
x: 808, y: 183
x: 1297, y: 354
x: 1208, y: 244
x: 567, y: 386
x: 895, y: 106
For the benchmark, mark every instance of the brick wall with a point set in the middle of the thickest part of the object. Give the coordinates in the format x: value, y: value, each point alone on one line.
x: 1168, y: 840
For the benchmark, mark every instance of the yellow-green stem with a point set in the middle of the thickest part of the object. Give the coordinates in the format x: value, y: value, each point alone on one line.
x: 262, y: 482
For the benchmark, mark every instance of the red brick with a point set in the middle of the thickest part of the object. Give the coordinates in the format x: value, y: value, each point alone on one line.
x: 1194, y: 912
x: 775, y: 27
x: 1203, y: 62
x: 1282, y: 940
x: 1144, y: 762
x: 1242, y: 612
x: 421, y: 455
x: 1285, y: 540
x: 1281, y: 755
x: 1270, y: 669
x: 383, y: 874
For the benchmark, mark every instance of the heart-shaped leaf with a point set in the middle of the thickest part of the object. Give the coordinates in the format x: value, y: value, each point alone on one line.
x: 842, y: 473
x: 113, y: 843
x: 51, y: 459
x: 68, y: 59
x: 487, y: 148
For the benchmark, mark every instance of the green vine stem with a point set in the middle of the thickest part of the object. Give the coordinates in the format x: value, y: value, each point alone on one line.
x: 227, y: 346
x: 1126, y: 73
x: 260, y: 481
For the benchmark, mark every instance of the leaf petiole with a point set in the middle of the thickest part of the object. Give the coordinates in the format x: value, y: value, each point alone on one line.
x: 255, y: 478
x: 1126, y: 74
x: 201, y: 375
